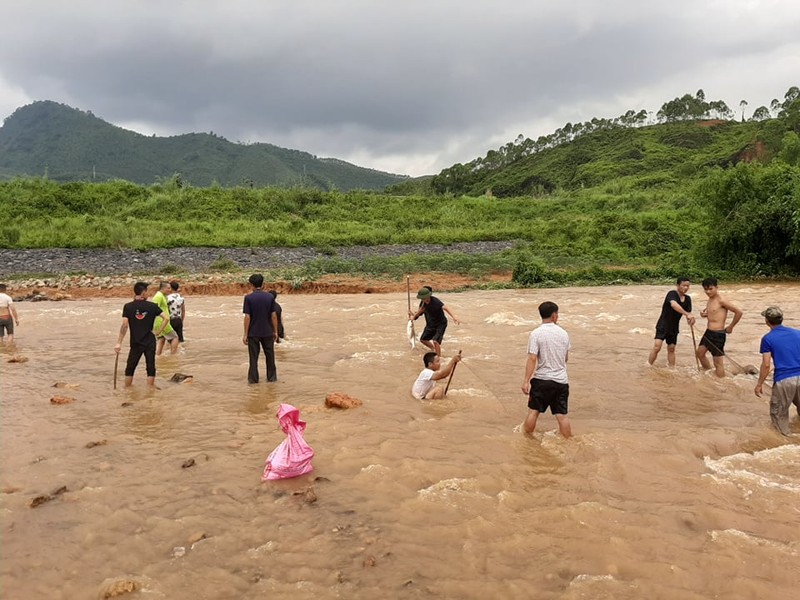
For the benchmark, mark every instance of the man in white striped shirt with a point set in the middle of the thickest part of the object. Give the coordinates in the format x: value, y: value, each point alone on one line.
x: 546, y: 383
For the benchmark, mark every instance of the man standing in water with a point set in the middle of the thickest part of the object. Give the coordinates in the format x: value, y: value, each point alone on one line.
x: 177, y: 309
x: 782, y: 346
x: 435, y: 321
x: 8, y: 315
x: 546, y: 383
x: 279, y: 313
x: 713, y: 340
x: 140, y: 316
x: 260, y: 328
x: 676, y: 304
x: 168, y: 334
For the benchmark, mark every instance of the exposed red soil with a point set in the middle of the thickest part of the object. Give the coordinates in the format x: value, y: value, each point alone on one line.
x: 327, y: 284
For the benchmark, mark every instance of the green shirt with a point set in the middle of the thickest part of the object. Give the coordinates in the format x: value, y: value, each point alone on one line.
x: 161, y: 300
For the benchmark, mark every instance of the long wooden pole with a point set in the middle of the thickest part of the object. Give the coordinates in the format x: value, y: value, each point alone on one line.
x: 408, y: 290
x: 694, y: 341
x: 453, y: 372
x: 116, y: 364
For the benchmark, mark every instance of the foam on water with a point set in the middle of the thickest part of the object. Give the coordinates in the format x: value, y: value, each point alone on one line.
x: 607, y: 317
x: 451, y: 489
x: 371, y: 356
x: 736, y: 535
x: 774, y: 468
x: 505, y: 318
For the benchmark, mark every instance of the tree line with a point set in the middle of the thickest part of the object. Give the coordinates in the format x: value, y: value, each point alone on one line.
x: 459, y: 177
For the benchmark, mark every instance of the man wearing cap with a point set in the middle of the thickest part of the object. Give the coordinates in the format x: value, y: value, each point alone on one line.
x: 782, y: 346
x: 435, y: 320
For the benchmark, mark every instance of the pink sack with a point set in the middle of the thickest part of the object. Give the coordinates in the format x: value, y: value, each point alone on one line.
x: 293, y: 456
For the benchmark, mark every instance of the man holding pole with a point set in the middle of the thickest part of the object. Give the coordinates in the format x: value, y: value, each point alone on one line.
x: 425, y: 387
x: 676, y: 304
x: 546, y: 383
x: 782, y: 347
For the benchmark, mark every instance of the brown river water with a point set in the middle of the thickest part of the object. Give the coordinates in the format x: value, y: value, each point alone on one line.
x: 674, y: 485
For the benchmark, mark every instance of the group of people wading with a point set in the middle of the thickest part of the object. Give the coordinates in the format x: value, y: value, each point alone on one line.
x: 780, y: 347
x: 545, y: 383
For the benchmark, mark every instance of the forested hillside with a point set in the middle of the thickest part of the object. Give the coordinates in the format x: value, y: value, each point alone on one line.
x: 65, y: 144
x: 688, y: 136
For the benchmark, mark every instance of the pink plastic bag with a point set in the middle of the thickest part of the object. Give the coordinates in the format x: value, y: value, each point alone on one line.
x: 293, y: 456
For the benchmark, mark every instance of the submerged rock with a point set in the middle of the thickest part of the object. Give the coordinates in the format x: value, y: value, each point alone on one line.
x: 62, y: 400
x: 111, y: 588
x: 339, y: 400
x: 181, y: 378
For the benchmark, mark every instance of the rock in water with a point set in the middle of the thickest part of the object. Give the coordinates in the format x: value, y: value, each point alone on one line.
x: 339, y: 400
x: 62, y: 400
x: 112, y: 588
x: 181, y: 378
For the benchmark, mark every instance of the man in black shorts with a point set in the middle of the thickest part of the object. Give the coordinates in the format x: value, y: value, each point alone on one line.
x: 546, y: 383
x: 139, y: 316
x: 435, y: 320
x: 676, y: 304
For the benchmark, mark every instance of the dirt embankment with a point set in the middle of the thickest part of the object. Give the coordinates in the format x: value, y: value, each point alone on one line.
x: 109, y: 273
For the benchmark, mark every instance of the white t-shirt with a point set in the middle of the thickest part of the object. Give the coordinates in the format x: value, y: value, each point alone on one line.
x: 423, y: 384
x: 174, y: 302
x: 550, y: 344
x: 5, y: 302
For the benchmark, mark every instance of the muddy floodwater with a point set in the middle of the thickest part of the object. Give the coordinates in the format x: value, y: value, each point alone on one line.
x: 674, y: 485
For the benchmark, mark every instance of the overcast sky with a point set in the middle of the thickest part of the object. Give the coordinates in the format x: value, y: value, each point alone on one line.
x: 409, y: 86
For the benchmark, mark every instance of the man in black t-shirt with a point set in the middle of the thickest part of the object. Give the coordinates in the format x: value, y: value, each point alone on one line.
x: 260, y: 329
x: 279, y: 314
x: 676, y: 304
x: 435, y: 320
x: 139, y: 316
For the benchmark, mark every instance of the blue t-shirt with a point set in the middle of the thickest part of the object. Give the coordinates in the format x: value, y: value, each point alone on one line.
x: 784, y: 344
x: 259, y: 305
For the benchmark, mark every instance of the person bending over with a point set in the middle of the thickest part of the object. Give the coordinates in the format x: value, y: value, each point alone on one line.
x: 425, y: 387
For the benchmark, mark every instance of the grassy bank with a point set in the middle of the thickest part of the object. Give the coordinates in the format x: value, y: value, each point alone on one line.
x: 744, y: 221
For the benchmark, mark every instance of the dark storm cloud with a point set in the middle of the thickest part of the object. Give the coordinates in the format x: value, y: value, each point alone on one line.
x: 417, y: 84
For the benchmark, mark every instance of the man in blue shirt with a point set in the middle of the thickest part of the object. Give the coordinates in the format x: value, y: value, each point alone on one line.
x: 260, y: 328
x: 782, y: 346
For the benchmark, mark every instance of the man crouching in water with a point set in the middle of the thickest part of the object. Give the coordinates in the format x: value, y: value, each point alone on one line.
x: 713, y: 340
x: 425, y: 387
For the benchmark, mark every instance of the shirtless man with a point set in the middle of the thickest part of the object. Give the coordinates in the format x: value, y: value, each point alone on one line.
x: 713, y: 340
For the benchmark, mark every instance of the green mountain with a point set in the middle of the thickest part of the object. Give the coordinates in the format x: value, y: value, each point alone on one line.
x: 66, y: 144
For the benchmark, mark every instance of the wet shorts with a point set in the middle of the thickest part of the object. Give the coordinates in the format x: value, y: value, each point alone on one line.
x: 714, y: 341
x: 671, y: 337
x: 6, y: 326
x: 434, y: 333
x: 169, y: 336
x: 545, y: 392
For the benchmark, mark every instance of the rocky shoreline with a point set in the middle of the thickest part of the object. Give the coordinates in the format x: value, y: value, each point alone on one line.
x: 67, y: 273
x: 104, y: 261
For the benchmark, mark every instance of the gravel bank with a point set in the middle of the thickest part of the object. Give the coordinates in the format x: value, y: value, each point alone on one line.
x: 200, y: 260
